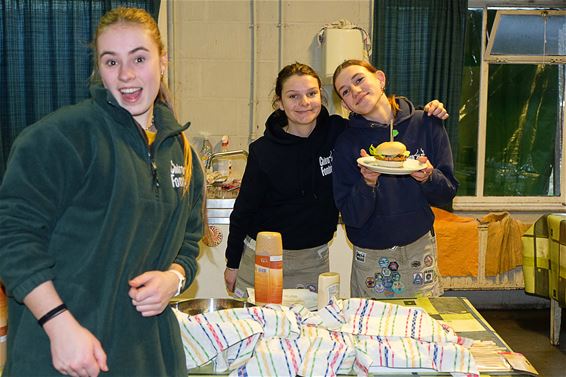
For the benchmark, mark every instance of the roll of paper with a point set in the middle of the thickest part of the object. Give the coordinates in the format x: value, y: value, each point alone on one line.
x: 328, y: 287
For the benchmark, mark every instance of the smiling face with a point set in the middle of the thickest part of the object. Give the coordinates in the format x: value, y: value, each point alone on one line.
x: 361, y: 90
x: 301, y: 101
x: 131, y: 68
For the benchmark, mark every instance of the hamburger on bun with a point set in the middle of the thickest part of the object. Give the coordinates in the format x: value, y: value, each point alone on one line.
x: 390, y: 153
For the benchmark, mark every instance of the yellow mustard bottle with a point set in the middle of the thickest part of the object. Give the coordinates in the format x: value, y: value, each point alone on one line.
x: 268, y: 276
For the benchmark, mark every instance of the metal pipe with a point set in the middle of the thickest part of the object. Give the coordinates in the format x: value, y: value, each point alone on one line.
x: 253, y: 72
x: 280, y: 37
x: 170, y: 48
x: 224, y: 154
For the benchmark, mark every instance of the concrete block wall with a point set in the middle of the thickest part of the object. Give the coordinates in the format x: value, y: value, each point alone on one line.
x: 215, y: 67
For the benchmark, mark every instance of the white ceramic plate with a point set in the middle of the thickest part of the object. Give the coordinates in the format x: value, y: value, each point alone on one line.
x: 410, y: 165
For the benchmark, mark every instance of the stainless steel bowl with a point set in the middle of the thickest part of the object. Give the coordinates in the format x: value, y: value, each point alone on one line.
x: 194, y: 306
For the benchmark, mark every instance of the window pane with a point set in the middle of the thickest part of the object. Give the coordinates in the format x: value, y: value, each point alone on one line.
x: 520, y: 34
x: 523, y: 126
x: 465, y: 140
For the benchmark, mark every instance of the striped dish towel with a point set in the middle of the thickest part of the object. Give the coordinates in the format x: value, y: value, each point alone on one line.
x: 318, y: 352
x: 228, y: 337
x: 329, y: 353
x: 370, y: 317
x: 332, y: 315
x: 275, y: 357
x: 378, y: 354
x: 348, y: 336
x: 228, y: 344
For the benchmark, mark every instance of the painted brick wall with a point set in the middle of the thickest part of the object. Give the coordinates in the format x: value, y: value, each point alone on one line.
x: 211, y: 58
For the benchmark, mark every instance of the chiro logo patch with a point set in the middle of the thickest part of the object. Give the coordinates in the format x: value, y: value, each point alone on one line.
x: 177, y: 175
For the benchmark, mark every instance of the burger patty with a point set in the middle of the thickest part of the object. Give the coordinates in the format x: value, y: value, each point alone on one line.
x: 399, y: 157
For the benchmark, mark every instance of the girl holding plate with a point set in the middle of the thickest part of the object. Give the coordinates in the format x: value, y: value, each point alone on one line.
x: 287, y: 185
x: 387, y: 214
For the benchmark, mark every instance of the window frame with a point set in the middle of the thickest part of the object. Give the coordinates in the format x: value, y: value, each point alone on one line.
x: 479, y: 202
x: 516, y: 58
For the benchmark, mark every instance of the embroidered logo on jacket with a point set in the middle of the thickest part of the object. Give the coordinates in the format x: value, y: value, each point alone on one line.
x: 177, y: 175
x: 419, y: 152
x: 325, y: 164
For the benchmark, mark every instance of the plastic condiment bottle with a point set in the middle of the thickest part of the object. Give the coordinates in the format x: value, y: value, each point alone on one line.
x: 328, y: 286
x: 268, y: 277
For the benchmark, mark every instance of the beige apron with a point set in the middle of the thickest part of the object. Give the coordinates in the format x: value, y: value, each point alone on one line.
x: 400, y: 271
x: 300, y: 268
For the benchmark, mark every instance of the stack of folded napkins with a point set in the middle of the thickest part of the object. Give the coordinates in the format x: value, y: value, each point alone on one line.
x: 357, y: 336
x: 291, y: 297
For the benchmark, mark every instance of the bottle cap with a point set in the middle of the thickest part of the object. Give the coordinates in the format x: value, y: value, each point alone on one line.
x: 269, y: 243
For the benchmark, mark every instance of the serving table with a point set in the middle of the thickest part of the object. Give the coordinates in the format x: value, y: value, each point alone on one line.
x: 459, y: 314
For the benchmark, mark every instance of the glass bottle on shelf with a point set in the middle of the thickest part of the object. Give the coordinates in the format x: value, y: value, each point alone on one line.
x: 205, y: 151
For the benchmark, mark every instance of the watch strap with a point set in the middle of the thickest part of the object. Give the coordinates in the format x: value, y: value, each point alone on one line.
x: 182, y: 280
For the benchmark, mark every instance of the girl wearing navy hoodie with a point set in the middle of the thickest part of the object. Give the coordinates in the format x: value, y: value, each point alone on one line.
x: 388, y: 218
x: 287, y: 185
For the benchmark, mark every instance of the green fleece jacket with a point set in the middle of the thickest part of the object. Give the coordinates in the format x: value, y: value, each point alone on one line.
x: 87, y: 204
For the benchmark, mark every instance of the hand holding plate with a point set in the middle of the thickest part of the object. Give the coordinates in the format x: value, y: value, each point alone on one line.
x: 424, y: 174
x: 370, y: 176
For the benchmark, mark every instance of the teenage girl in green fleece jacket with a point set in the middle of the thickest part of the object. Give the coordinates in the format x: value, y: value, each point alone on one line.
x: 100, y: 211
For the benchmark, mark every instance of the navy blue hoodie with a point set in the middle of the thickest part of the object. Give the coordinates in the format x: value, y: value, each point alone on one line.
x: 287, y: 187
x: 397, y: 211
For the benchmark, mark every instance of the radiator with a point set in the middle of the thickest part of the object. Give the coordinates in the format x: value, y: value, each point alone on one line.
x: 512, y: 279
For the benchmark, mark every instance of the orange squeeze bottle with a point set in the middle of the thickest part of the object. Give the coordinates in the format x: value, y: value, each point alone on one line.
x: 268, y: 276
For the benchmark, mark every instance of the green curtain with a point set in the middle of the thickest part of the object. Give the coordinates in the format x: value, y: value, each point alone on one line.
x: 420, y: 47
x: 45, y: 59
